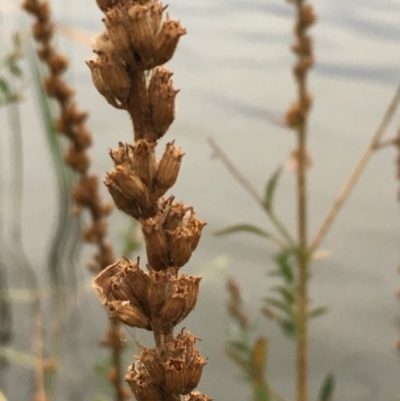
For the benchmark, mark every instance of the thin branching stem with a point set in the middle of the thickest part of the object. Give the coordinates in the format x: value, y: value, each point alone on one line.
x: 238, y: 175
x: 356, y: 173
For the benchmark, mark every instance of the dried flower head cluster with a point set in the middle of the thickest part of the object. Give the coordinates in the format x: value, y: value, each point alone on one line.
x: 128, y: 72
x: 71, y: 123
x: 303, y: 49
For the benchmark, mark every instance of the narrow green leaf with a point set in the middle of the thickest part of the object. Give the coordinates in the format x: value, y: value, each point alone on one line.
x: 243, y: 228
x: 15, y: 70
x: 288, y: 327
x: 240, y: 346
x: 317, y: 312
x: 241, y: 362
x: 4, y: 87
x: 282, y: 259
x: 270, y: 188
x: 277, y: 303
x: 328, y: 386
x: 287, y: 295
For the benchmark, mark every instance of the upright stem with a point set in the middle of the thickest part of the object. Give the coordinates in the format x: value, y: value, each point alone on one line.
x: 301, y: 69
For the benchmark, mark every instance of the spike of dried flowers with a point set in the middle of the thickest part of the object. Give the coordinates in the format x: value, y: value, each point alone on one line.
x: 86, y: 195
x: 127, y: 70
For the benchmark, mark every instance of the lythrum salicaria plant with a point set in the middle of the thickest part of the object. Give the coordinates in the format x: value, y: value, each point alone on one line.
x: 291, y: 307
x: 128, y: 71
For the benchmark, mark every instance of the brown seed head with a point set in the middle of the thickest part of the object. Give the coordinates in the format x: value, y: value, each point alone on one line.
x: 167, y: 41
x: 161, y: 100
x: 168, y: 170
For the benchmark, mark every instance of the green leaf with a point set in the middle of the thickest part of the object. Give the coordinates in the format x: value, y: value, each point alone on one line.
x: 317, y: 312
x: 240, y: 346
x: 270, y: 188
x: 287, y: 295
x: 284, y: 307
x: 328, y: 386
x: 288, y: 327
x: 243, y: 228
x: 4, y: 87
x: 282, y: 259
x: 15, y: 70
x: 241, y: 362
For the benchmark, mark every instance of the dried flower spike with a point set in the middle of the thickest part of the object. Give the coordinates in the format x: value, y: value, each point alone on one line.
x: 127, y: 71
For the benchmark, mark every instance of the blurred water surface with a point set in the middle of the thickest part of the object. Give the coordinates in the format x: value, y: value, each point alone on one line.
x: 233, y: 68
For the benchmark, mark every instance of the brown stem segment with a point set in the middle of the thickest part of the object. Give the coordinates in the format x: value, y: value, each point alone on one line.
x: 296, y: 117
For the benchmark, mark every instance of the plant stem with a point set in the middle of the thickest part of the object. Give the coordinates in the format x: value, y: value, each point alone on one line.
x: 303, y: 259
x: 280, y: 227
x: 358, y: 169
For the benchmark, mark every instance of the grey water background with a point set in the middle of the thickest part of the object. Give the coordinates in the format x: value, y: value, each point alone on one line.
x: 233, y: 68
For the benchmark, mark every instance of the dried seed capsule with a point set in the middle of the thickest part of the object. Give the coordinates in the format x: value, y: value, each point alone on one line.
x: 180, y: 245
x: 128, y: 314
x: 154, y: 365
x: 175, y: 213
x: 144, y: 161
x: 141, y: 31
x: 119, y: 35
x: 182, y: 300
x: 167, y: 41
x: 168, y: 170
x: 122, y: 201
x: 130, y: 186
x: 197, y: 396
x: 161, y: 100
x: 138, y: 282
x: 159, y: 282
x: 142, y: 386
x: 156, y: 244
x: 115, y: 77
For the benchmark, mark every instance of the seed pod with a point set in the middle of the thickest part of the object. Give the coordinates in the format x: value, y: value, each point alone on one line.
x: 130, y: 186
x: 141, y: 31
x: 180, y: 246
x: 182, y: 301
x: 128, y: 314
x: 121, y: 201
x: 144, y: 161
x: 156, y: 244
x: 168, y: 170
x: 117, y: 80
x: 154, y: 365
x: 119, y: 35
x: 197, y: 396
x: 142, y: 386
x: 167, y: 41
x: 158, y: 287
x: 161, y: 100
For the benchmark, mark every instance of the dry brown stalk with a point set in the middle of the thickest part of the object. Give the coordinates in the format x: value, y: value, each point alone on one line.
x: 296, y: 117
x: 374, y: 144
x: 128, y: 71
x: 86, y: 195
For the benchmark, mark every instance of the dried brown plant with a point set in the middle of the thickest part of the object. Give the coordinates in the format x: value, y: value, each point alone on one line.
x: 86, y: 194
x: 128, y: 71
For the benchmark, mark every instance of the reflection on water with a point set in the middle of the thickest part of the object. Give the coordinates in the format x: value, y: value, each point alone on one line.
x: 233, y: 67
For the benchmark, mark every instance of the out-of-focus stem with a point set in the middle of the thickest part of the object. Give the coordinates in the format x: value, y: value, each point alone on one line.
x: 357, y: 171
